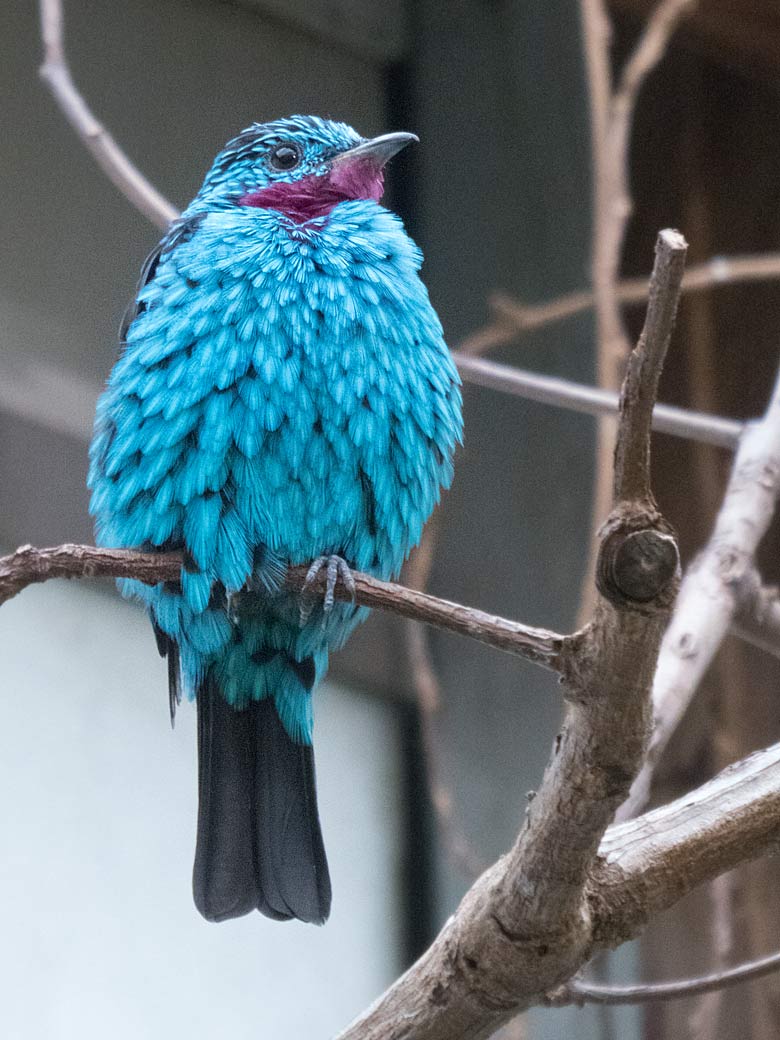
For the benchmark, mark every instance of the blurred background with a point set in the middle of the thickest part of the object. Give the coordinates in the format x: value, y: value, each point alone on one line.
x: 97, y: 796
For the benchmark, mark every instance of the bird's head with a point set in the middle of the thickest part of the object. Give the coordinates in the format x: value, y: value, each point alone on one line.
x: 302, y: 166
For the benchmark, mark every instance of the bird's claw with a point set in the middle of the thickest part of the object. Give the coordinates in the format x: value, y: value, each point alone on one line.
x: 336, y: 568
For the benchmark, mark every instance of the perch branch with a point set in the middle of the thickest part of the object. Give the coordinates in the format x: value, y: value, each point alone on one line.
x: 109, y: 156
x: 29, y: 565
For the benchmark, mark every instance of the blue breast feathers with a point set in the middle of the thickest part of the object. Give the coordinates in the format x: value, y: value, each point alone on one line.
x: 284, y: 392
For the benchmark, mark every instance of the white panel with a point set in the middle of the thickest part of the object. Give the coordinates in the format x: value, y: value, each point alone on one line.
x: 97, y: 803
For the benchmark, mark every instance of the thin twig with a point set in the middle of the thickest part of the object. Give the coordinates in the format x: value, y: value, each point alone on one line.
x: 512, y: 316
x: 29, y: 565
x: 649, y: 51
x: 610, y: 208
x: 112, y: 160
x: 577, y: 397
x: 704, y: 1017
x: 578, y: 991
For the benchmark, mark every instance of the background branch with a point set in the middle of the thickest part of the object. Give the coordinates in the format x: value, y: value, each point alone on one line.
x: 512, y: 317
x: 611, y: 118
x: 709, y: 595
x: 563, y: 393
x: 581, y: 992
x: 109, y: 156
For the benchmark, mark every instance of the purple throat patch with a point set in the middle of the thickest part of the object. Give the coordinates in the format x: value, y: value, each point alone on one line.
x: 315, y: 196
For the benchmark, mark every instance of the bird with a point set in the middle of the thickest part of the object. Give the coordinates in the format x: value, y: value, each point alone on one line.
x: 283, y: 396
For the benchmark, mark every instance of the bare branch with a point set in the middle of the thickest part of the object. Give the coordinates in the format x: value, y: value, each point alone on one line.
x: 709, y: 595
x: 29, y: 565
x: 643, y: 867
x: 610, y: 207
x: 578, y: 991
x: 632, y: 454
x: 561, y: 393
x: 670, y: 850
x: 112, y: 160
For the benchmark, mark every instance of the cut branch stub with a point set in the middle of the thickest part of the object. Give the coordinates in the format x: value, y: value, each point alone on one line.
x: 640, y: 386
x: 638, y: 563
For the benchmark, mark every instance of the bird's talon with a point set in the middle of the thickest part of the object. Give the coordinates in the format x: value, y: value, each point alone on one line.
x: 336, y: 568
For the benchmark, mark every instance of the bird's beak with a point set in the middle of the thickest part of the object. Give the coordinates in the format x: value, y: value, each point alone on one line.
x: 376, y: 151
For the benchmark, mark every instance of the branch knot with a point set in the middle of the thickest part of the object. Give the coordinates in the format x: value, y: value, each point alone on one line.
x: 638, y: 564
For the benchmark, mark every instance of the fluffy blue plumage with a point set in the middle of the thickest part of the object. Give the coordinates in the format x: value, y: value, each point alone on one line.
x: 283, y: 392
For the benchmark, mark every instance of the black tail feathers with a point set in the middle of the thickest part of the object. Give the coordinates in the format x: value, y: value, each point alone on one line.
x: 259, y: 842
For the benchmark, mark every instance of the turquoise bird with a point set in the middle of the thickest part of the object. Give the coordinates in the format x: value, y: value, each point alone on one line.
x: 284, y: 396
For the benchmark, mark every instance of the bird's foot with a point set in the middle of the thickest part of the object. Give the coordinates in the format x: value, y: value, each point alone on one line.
x: 336, y: 568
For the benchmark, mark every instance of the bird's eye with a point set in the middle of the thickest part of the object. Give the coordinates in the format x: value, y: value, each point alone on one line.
x: 285, y: 156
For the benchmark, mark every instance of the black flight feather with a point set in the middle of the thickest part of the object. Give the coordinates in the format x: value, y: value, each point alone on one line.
x: 259, y: 842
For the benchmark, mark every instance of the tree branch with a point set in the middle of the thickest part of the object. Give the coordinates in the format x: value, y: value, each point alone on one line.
x: 611, y: 117
x: 643, y: 867
x: 109, y: 156
x: 29, y: 565
x: 648, y: 863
